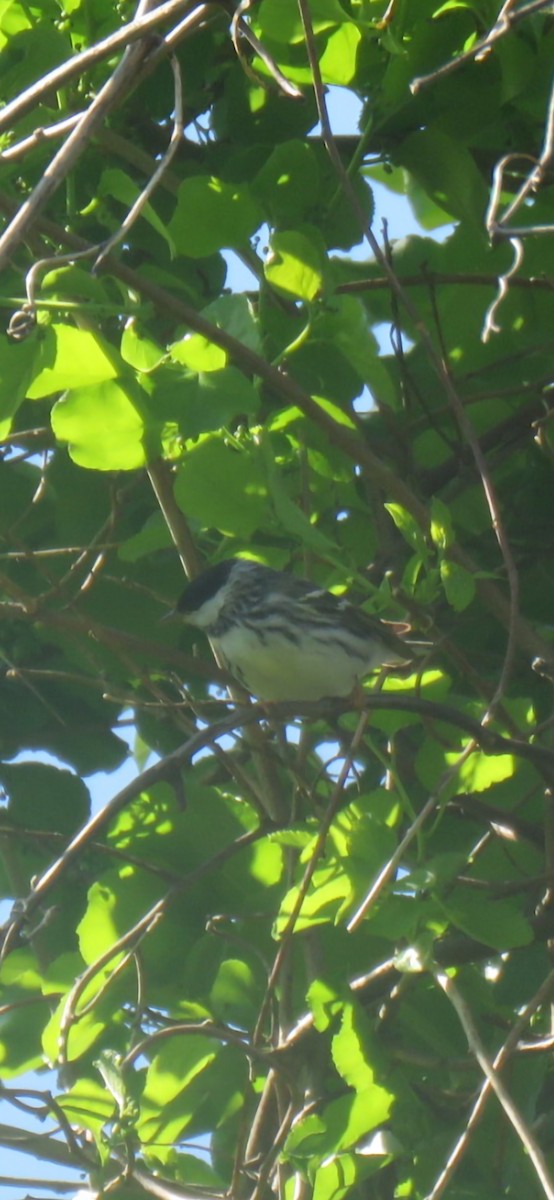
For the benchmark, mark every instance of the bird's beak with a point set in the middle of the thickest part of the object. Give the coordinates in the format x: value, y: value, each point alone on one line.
x: 169, y: 616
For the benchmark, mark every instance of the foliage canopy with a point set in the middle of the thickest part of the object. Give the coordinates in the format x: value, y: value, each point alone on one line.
x: 298, y: 957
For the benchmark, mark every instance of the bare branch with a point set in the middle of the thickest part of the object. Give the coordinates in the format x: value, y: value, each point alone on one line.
x: 76, y: 66
x: 506, y: 21
x: 142, y: 200
x: 495, y: 1082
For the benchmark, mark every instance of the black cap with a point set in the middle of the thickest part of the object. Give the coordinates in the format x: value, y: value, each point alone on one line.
x: 206, y: 585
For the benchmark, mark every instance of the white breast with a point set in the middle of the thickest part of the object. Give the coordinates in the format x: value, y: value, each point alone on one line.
x: 279, y: 670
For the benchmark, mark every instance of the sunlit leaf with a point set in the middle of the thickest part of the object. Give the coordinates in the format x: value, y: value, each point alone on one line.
x: 338, y: 63
x: 72, y: 358
x: 220, y: 486
x: 458, y: 584
x: 105, y: 426
x: 221, y: 916
x: 294, y: 265
x: 212, y: 214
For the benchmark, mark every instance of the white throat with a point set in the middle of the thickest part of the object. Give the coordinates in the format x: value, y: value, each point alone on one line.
x: 208, y: 613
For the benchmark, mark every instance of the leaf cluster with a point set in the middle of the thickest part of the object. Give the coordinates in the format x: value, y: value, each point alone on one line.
x: 297, y: 954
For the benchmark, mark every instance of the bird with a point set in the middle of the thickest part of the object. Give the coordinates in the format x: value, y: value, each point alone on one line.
x: 282, y: 637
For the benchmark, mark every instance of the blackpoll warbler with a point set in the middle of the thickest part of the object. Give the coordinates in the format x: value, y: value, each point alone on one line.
x: 282, y: 637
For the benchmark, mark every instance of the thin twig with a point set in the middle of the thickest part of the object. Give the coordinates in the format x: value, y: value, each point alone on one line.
x: 512, y: 1112
x: 491, y: 743
x: 534, y: 177
x: 389, y: 870
x: 160, y: 477
x: 167, y: 1189
x: 439, y: 365
x: 439, y: 277
x: 63, y: 161
x: 542, y: 995
x: 500, y: 227
x: 303, y: 888
x: 46, y: 836
x: 490, y: 324
x: 40, y: 135
x: 440, y: 368
x: 240, y: 29
x: 500, y: 533
x: 76, y: 66
x: 132, y: 938
x: 220, y: 1033
x: 174, y: 144
x: 285, y: 386
x: 499, y: 30
x: 53, y: 1185
x: 40, y: 1145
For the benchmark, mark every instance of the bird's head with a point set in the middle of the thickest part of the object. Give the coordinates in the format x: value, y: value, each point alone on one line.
x: 203, y: 599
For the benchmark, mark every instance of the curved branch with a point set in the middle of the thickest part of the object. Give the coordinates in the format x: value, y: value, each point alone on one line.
x: 284, y: 386
x: 79, y: 63
x: 490, y: 742
x: 503, y: 25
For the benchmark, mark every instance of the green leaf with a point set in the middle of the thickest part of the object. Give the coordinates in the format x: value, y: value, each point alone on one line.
x: 33, y: 46
x: 442, y: 533
x: 287, y: 184
x: 211, y: 215
x: 294, y: 265
x: 350, y: 1118
x: 431, y: 685
x: 225, y: 395
x: 105, y: 426
x: 306, y: 1137
x: 459, y: 585
x: 280, y: 19
x: 339, y: 1174
x: 234, y: 994
x: 335, y: 1178
x: 409, y: 528
x: 288, y: 514
x: 41, y: 796
x: 446, y: 171
x: 140, y: 352
x: 324, y: 1004
x: 17, y: 368
x: 72, y: 358
x: 153, y: 536
x: 84, y: 1031
x: 222, y: 488
x: 115, y: 182
x: 237, y: 316
x: 351, y: 1049
x: 342, y: 1123
x: 476, y: 773
x: 87, y: 1104
x: 480, y: 771
x: 76, y: 284
x: 499, y: 924
x: 197, y: 353
x: 234, y: 314
x: 338, y: 414
x: 109, y: 1066
x: 338, y: 61
x: 331, y: 890
x: 115, y: 902
x: 177, y: 1062
x: 191, y: 404
x: 20, y: 1034
x: 344, y: 323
